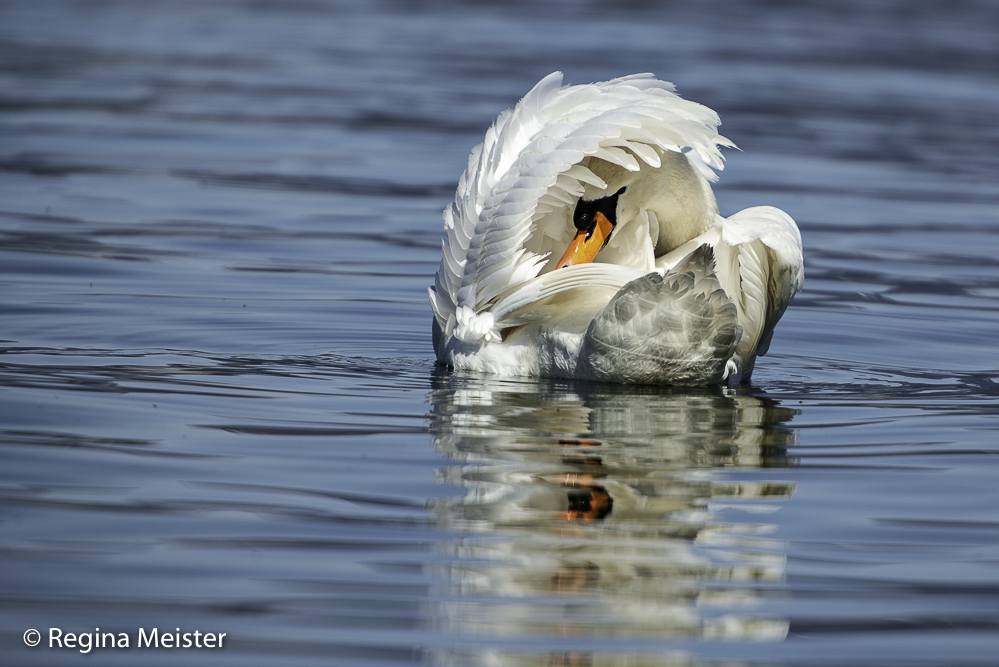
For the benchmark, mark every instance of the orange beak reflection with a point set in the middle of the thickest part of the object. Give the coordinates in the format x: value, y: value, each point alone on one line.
x: 587, y: 243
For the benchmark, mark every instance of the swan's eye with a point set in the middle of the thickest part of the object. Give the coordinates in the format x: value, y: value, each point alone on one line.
x: 584, y: 217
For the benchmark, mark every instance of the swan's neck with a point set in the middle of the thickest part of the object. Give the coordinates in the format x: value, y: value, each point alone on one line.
x: 677, y: 193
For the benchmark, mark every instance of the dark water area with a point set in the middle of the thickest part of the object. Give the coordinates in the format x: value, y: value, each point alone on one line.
x: 219, y: 409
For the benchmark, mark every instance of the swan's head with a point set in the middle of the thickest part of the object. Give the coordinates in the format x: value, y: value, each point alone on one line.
x: 674, y: 201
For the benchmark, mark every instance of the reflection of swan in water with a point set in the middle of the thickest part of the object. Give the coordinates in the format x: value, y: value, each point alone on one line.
x: 595, y: 509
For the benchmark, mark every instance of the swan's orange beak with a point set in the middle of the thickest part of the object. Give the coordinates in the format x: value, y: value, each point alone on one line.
x: 587, y: 243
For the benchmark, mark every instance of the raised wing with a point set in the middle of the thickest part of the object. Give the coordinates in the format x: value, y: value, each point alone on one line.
x: 515, y: 199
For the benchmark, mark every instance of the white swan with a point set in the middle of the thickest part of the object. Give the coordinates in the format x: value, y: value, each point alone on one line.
x: 584, y: 242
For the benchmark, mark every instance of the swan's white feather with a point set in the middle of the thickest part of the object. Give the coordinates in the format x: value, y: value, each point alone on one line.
x: 535, y: 149
x: 775, y: 229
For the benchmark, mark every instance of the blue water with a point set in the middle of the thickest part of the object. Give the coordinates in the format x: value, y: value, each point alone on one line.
x: 219, y: 409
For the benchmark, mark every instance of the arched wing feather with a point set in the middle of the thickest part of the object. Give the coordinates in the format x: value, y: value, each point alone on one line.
x: 529, y: 165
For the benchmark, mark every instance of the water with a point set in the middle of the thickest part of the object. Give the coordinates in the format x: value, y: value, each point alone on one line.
x: 219, y: 409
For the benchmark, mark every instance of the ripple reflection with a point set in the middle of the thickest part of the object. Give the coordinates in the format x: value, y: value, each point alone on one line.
x: 604, y: 511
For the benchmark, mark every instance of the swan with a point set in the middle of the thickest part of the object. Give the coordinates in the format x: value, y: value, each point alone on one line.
x: 584, y: 242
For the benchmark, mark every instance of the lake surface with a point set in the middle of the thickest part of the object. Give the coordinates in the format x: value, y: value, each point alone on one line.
x: 219, y: 409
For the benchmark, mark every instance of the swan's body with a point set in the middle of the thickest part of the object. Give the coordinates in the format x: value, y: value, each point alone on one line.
x: 676, y: 295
